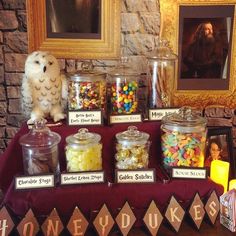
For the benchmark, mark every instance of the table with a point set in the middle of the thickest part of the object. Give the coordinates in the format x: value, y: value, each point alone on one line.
x: 91, y: 197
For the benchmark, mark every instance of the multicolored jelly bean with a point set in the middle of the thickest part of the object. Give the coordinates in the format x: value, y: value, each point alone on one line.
x: 124, y: 98
x: 183, y: 149
x: 87, y: 95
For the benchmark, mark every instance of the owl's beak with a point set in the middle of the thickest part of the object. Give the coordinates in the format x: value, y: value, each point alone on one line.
x: 44, y: 69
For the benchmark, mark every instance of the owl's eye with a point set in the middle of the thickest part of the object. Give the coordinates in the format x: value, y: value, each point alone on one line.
x: 50, y: 63
x: 36, y: 62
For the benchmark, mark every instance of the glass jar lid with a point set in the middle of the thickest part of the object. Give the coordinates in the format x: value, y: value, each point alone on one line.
x: 40, y: 136
x: 132, y: 136
x: 123, y: 68
x: 83, y: 138
x: 185, y: 120
x: 162, y: 52
x: 87, y: 73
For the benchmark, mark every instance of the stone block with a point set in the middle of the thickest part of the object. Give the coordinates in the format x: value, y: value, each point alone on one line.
x: 70, y: 66
x: 150, y: 22
x: 142, y: 6
x: 15, y: 120
x: 234, y: 120
x: 14, y: 4
x: 62, y: 63
x: 13, y: 92
x: 14, y: 79
x: 2, y: 132
x: 2, y: 93
x: 14, y: 106
x: 11, y: 132
x: 130, y: 23
x: 139, y: 43
x: 219, y: 122
x: 3, y: 108
x: 8, y: 20
x: 22, y: 19
x: 1, y: 74
x: 234, y: 132
x: 2, y: 144
x: 1, y: 37
x: 1, y: 55
x: 15, y: 62
x: 16, y: 41
x: 3, y: 121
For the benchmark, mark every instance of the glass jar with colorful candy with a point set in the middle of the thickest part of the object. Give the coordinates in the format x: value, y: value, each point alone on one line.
x: 40, y: 150
x: 87, y: 89
x: 123, y: 89
x: 132, y: 149
x: 161, y: 74
x: 83, y: 151
x: 183, y: 139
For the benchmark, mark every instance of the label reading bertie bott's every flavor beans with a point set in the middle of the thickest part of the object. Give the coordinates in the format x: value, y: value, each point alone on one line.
x: 85, y: 118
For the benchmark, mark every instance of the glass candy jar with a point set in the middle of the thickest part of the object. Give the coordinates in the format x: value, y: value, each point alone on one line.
x: 183, y: 139
x: 83, y: 151
x: 40, y: 150
x: 132, y: 149
x: 87, y: 89
x: 161, y: 74
x: 123, y: 89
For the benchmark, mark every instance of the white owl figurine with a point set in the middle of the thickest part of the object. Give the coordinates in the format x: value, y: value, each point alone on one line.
x: 44, y: 88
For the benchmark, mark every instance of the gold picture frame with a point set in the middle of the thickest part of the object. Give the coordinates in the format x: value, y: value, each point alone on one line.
x: 105, y: 47
x: 170, y: 30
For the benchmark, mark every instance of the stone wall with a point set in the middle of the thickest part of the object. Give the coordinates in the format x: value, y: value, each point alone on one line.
x: 140, y: 26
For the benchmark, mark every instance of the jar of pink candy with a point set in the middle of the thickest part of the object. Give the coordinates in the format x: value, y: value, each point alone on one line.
x: 87, y: 89
x: 183, y: 139
x: 123, y: 89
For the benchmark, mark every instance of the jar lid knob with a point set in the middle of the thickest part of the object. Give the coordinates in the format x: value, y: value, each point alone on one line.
x: 39, y: 123
x: 186, y: 112
x: 82, y: 134
x: 133, y: 131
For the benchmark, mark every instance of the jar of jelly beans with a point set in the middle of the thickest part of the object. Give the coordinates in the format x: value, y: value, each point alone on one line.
x: 132, y: 149
x: 87, y: 89
x: 183, y: 139
x: 123, y: 90
x: 83, y: 151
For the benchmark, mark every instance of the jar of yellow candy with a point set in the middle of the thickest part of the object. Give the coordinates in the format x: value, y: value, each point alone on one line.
x: 132, y: 149
x: 183, y: 139
x: 83, y: 151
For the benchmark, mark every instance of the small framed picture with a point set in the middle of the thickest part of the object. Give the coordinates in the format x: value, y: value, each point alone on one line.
x: 219, y: 146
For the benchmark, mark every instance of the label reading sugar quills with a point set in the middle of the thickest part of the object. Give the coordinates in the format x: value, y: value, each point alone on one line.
x: 85, y: 118
x: 83, y: 178
x: 34, y: 182
x: 189, y: 173
x: 158, y: 114
x: 135, y: 176
x: 117, y: 119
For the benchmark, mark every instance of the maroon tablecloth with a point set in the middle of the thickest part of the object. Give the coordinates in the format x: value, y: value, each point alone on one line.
x: 90, y: 197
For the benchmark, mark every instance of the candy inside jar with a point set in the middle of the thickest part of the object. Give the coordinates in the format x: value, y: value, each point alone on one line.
x: 87, y: 89
x: 183, y: 139
x: 40, y: 150
x: 132, y: 149
x: 123, y: 89
x: 83, y: 151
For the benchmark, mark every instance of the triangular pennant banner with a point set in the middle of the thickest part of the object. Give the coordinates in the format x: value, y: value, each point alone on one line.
x: 28, y: 225
x: 153, y: 218
x: 52, y: 225
x: 125, y: 219
x: 103, y: 221
x: 174, y: 214
x: 6, y: 222
x: 77, y: 224
x: 196, y: 211
x: 212, y: 207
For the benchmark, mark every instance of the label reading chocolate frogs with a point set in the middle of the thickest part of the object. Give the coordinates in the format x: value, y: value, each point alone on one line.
x: 34, y: 182
x: 85, y: 118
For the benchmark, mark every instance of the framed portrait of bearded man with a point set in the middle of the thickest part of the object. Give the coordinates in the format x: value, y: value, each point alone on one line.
x: 204, y: 42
